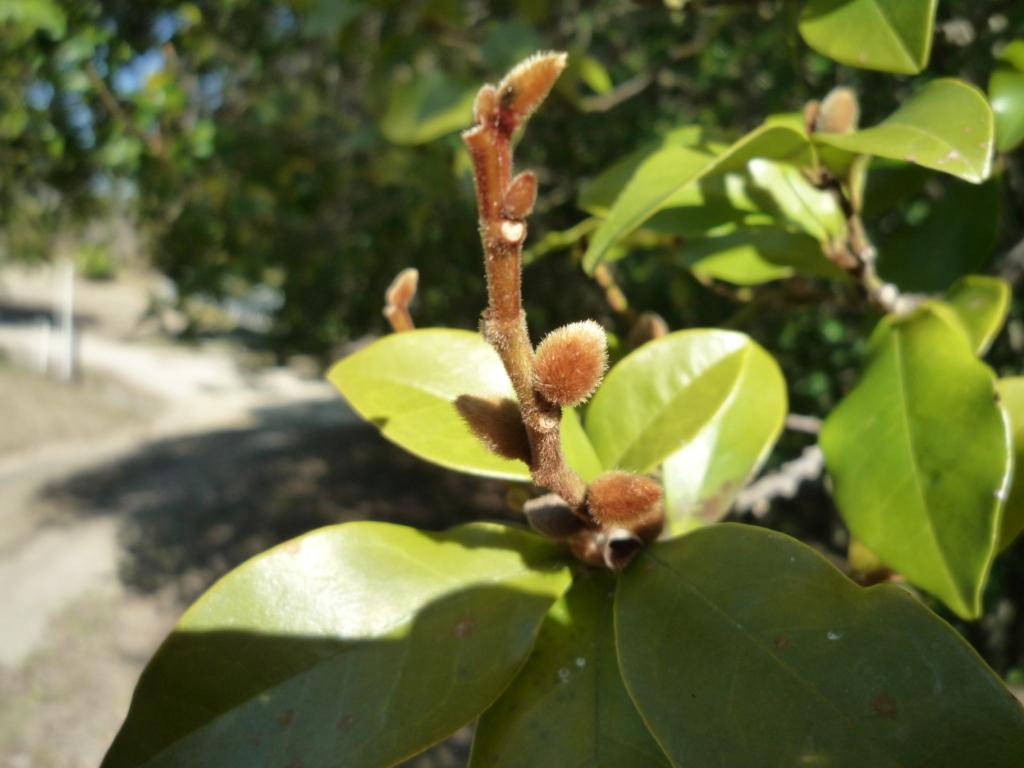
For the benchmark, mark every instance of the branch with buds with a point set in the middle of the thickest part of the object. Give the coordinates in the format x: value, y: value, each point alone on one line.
x: 607, y: 522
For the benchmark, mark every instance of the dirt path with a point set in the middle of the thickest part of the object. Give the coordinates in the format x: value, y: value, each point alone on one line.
x: 113, y: 518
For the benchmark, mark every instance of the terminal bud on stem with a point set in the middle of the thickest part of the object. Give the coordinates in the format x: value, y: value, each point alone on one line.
x: 839, y: 112
x: 398, y: 297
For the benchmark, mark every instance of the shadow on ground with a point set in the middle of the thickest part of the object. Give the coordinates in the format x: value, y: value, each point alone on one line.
x: 191, y: 508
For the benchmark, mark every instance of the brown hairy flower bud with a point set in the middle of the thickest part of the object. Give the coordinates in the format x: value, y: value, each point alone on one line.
x: 551, y: 516
x: 520, y: 196
x: 839, y: 113
x: 618, y: 499
x: 648, y: 326
x: 570, y: 362
x: 398, y: 296
x: 526, y: 86
x: 497, y: 423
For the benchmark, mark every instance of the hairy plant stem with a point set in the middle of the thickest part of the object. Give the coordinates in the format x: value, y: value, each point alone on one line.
x: 504, y: 322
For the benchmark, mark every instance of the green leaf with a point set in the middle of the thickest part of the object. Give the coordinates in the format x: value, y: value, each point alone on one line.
x: 660, y: 398
x: 1013, y: 54
x: 355, y: 645
x: 756, y: 255
x: 568, y: 707
x: 427, y: 108
x: 889, y: 35
x: 703, y: 478
x: 981, y: 304
x: 742, y: 647
x: 31, y: 16
x: 1011, y: 397
x: 943, y: 236
x: 946, y: 126
x: 656, y: 181
x: 896, y: 448
x: 578, y: 450
x: 405, y: 384
x: 1006, y: 92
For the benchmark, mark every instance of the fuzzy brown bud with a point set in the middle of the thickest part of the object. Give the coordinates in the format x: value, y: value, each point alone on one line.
x: 520, y: 196
x: 551, y: 516
x: 497, y: 423
x: 570, y: 362
x: 648, y: 326
x: 839, y: 112
x: 485, y: 107
x: 398, y: 297
x: 523, y: 89
x: 618, y: 499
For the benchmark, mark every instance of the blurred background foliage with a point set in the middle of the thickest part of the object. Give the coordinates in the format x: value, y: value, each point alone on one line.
x: 296, y: 154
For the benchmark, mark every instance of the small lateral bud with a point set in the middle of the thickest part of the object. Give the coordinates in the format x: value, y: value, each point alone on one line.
x: 811, y: 110
x: 398, y: 297
x: 524, y: 88
x: 570, y: 362
x: 485, y: 107
x: 648, y: 326
x: 620, y: 547
x: 520, y: 196
x: 618, y: 499
x: 497, y: 423
x: 550, y: 516
x: 839, y: 113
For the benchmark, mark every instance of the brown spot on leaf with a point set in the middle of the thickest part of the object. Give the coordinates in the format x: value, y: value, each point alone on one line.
x: 293, y: 547
x: 286, y: 718
x: 344, y: 723
x: 463, y: 627
x: 781, y: 642
x: 884, y: 705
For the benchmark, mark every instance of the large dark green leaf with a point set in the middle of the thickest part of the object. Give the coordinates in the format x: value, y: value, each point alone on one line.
x: 981, y: 304
x: 354, y: 645
x: 918, y: 452
x: 890, y: 35
x: 946, y: 126
x: 677, y: 392
x: 568, y: 707
x: 944, y: 236
x: 756, y: 255
x: 658, y: 180
x: 744, y: 648
x: 1011, y: 395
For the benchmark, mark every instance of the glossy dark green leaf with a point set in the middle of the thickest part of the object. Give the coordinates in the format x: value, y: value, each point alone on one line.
x: 890, y: 35
x: 756, y: 255
x: 919, y: 456
x: 1006, y: 92
x: 405, y: 384
x: 354, y: 645
x: 1011, y: 396
x: 568, y: 706
x: 942, y: 236
x: 672, y: 392
x: 426, y: 108
x: 744, y: 648
x: 981, y: 304
x: 657, y: 181
x: 946, y: 126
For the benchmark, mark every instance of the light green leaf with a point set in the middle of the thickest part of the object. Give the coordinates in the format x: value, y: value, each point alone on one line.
x: 889, y: 35
x: 756, y: 255
x: 578, y: 450
x: 742, y: 647
x: 405, y: 384
x: 656, y: 182
x: 703, y: 478
x: 30, y: 16
x: 1013, y: 54
x: 355, y: 645
x: 659, y: 398
x: 1006, y: 92
x: 946, y: 126
x: 568, y: 707
x: 1011, y: 397
x: 943, y: 236
x: 427, y: 108
x: 981, y: 304
x: 897, y: 449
